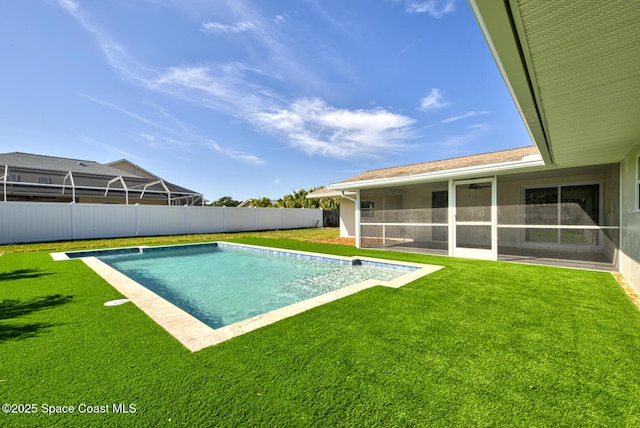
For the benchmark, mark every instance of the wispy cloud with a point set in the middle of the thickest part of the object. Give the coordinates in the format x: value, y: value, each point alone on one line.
x: 183, y: 137
x: 234, y: 154
x: 435, y: 8
x: 115, y: 54
x: 219, y: 28
x: 308, y: 124
x: 455, y: 143
x: 123, y: 111
x: 109, y: 147
x: 467, y: 115
x: 432, y: 101
x: 315, y: 127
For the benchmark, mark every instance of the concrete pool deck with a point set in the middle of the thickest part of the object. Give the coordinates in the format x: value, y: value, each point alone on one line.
x: 196, y: 335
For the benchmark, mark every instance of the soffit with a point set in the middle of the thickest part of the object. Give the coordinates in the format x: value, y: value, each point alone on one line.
x: 583, y: 58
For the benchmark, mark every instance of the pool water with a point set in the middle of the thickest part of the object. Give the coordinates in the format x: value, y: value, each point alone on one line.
x: 221, y: 285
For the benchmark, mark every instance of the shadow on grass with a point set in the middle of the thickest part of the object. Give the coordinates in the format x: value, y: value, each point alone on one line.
x: 17, y: 332
x: 22, y: 274
x: 15, y: 308
x: 11, y: 309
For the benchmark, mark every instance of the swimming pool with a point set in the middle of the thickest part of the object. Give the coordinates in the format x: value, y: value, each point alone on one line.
x: 215, y: 291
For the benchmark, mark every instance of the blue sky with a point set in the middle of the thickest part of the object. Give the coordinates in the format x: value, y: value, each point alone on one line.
x: 251, y: 98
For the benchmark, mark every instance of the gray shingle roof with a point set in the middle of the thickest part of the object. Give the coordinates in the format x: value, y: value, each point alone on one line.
x: 31, y: 161
x: 442, y: 165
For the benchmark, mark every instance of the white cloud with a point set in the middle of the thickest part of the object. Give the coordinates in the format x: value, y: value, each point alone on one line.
x: 432, y: 101
x: 317, y: 128
x: 455, y: 143
x: 311, y: 125
x: 219, y: 28
x: 468, y: 114
x: 168, y: 136
x: 234, y: 154
x: 435, y: 8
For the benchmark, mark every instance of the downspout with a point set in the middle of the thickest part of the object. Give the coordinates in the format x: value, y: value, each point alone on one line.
x: 347, y: 197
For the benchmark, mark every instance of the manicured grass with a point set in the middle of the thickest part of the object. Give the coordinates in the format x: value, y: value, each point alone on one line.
x: 474, y: 344
x: 295, y: 234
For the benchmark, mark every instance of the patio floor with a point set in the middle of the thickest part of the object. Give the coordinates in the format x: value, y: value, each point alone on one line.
x: 543, y: 261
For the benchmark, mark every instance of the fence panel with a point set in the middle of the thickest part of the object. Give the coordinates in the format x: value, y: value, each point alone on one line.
x: 240, y: 219
x: 302, y: 218
x: 21, y: 222
x: 268, y: 218
x: 46, y: 221
x: 161, y: 220
x: 205, y: 219
x: 103, y: 221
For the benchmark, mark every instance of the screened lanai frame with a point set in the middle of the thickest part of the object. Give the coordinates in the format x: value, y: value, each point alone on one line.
x: 415, y: 217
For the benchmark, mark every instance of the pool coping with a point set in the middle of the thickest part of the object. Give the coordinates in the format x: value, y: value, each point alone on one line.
x: 196, y: 335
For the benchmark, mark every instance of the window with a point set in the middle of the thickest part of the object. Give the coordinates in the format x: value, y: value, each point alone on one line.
x: 13, y: 178
x: 366, y: 209
x: 44, y: 180
x: 571, y: 205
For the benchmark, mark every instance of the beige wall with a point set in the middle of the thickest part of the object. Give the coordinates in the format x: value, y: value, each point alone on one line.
x: 630, y: 220
x: 133, y: 169
x: 347, y: 218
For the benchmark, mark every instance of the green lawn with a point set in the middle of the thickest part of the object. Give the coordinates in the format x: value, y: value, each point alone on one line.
x: 475, y: 344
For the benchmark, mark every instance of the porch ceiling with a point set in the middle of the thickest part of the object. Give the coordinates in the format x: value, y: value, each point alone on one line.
x: 573, y: 68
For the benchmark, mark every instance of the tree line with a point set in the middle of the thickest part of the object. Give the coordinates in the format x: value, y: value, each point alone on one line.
x: 297, y: 199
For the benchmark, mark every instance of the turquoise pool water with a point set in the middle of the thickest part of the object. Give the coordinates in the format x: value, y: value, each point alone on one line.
x: 221, y: 284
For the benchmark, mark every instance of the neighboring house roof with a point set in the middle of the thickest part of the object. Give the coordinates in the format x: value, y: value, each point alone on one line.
x: 573, y: 69
x: 128, y: 166
x: 52, y: 163
x: 485, y: 163
x: 90, y: 176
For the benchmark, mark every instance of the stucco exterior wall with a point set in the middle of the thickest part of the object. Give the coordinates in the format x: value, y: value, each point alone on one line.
x: 347, y: 218
x: 630, y: 219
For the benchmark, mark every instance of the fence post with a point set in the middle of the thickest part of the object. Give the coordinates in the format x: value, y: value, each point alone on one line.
x: 72, y: 205
x: 186, y: 225
x: 224, y: 218
x: 137, y: 219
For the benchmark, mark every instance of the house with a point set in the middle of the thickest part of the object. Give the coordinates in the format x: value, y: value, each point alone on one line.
x: 573, y: 70
x: 31, y: 177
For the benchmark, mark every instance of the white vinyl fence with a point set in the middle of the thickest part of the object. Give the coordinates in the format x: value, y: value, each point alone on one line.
x: 46, y: 221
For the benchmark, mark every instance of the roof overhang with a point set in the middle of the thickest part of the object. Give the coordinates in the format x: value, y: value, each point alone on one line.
x: 327, y: 193
x: 528, y: 163
x: 573, y: 70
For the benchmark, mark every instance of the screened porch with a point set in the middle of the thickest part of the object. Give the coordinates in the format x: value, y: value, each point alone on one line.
x: 568, y: 217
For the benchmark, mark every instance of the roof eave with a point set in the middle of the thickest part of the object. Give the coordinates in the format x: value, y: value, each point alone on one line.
x: 476, y: 171
x: 497, y: 23
x: 331, y: 194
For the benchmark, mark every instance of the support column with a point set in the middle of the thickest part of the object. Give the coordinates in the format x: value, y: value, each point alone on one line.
x: 358, y: 226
